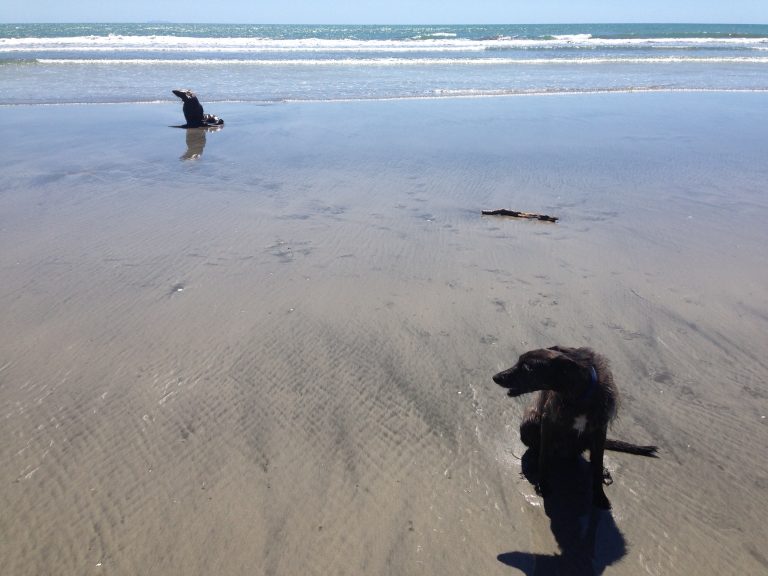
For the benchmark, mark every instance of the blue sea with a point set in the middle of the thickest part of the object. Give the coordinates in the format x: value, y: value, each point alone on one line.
x: 112, y: 63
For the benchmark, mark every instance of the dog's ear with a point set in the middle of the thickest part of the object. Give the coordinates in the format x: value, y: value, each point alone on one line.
x: 566, y: 368
x: 561, y: 349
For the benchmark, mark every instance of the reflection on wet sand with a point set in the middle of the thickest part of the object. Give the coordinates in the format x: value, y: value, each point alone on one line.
x: 196, y: 142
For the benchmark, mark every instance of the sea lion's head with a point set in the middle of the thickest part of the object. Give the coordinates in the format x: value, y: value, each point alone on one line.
x: 186, y: 95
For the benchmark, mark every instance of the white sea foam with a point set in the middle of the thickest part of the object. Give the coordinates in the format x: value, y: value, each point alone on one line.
x: 478, y: 93
x: 435, y: 35
x: 436, y: 44
x: 412, y: 65
x: 573, y: 37
x: 382, y: 62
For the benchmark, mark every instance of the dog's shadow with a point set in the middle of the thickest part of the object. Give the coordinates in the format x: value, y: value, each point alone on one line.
x: 588, y: 538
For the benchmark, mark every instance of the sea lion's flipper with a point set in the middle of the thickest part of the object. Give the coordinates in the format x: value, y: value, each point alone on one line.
x: 211, y: 120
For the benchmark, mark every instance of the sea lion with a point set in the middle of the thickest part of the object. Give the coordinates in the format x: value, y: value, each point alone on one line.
x: 193, y: 111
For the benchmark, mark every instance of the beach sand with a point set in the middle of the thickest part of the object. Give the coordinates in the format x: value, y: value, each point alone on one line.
x: 276, y: 358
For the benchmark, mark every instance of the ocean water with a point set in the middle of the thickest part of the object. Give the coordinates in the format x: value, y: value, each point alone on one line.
x: 111, y: 63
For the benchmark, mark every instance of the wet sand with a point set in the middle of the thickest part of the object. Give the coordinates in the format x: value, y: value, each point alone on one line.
x: 275, y: 358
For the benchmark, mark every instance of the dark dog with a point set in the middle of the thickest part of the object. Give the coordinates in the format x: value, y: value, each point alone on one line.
x: 193, y: 111
x: 577, y: 400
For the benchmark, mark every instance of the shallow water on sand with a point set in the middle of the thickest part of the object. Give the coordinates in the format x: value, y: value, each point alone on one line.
x: 276, y: 356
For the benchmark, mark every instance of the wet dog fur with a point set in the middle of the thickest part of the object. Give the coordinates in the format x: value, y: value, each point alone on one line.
x: 577, y: 399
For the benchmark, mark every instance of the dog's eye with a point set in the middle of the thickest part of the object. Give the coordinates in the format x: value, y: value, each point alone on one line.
x: 525, y: 367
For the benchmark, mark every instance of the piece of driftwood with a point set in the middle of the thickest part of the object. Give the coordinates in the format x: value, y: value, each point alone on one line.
x: 515, y: 214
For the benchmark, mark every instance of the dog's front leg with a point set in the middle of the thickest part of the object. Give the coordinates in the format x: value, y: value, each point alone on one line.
x: 596, y: 451
x: 545, y: 443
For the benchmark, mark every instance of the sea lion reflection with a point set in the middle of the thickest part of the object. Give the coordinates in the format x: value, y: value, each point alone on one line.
x: 195, y: 138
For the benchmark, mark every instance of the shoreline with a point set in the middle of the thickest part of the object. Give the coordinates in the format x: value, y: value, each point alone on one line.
x: 427, y: 98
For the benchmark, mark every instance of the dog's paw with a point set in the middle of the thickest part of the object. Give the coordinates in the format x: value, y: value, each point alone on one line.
x: 600, y: 500
x: 542, y: 489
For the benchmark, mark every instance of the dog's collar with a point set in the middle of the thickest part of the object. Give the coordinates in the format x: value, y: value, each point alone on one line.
x: 590, y: 391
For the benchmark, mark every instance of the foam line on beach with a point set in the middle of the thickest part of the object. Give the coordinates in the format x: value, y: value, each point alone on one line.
x: 436, y: 95
x: 408, y: 61
x: 191, y: 44
x: 470, y: 93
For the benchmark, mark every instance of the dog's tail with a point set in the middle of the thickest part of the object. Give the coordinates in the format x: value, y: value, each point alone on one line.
x: 620, y: 446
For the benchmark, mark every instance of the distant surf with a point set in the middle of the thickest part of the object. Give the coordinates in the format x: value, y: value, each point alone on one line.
x: 92, y: 63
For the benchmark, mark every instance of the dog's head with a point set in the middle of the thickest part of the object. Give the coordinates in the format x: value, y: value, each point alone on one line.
x: 544, y: 369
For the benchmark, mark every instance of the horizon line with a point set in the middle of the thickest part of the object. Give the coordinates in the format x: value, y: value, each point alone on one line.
x: 542, y: 23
